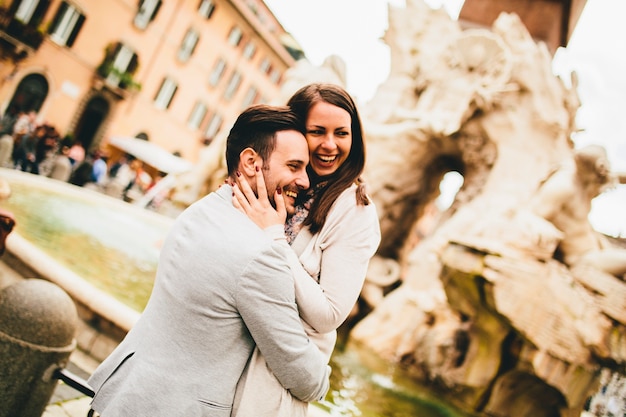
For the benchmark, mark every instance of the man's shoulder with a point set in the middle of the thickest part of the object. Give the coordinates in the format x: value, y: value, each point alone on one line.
x: 216, y: 207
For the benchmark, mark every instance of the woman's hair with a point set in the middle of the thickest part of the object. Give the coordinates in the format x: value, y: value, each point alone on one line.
x: 256, y: 128
x: 351, y: 169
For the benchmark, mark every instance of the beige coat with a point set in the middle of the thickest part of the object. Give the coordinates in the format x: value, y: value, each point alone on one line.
x: 337, y: 259
x: 222, y: 285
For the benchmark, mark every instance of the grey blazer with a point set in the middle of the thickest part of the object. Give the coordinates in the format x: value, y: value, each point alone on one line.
x: 221, y: 286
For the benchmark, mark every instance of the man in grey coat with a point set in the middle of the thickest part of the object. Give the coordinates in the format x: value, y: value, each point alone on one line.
x: 222, y: 286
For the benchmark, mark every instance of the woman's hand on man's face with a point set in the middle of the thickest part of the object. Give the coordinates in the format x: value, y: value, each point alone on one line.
x: 259, y: 207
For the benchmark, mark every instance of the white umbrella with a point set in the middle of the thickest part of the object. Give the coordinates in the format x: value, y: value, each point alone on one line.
x: 152, y: 154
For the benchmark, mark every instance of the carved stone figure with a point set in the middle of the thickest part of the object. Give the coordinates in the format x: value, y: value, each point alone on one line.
x: 565, y: 200
x: 509, y: 300
x: 487, y: 301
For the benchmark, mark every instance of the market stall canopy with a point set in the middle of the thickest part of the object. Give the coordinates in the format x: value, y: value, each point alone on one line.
x: 152, y: 154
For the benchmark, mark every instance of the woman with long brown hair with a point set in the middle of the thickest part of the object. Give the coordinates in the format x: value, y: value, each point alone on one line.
x: 332, y: 235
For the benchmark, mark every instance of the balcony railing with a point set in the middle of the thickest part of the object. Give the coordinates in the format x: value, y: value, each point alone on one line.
x: 117, y: 78
x: 22, y: 36
x: 118, y: 83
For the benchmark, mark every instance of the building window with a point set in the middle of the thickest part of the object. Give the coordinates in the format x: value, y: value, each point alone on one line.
x: 206, y: 8
x: 265, y: 66
x: 166, y: 94
x: 275, y: 76
x: 119, y: 64
x: 212, y: 128
x: 26, y: 10
x: 217, y: 73
x: 197, y: 115
x: 235, y: 36
x: 250, y: 97
x: 188, y: 45
x: 249, y: 50
x: 233, y: 85
x: 30, y: 12
x: 66, y: 24
x: 146, y: 13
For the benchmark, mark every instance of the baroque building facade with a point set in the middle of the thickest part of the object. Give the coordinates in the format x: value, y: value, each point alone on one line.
x: 174, y: 72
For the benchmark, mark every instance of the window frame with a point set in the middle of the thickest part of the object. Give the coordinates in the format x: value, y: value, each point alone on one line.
x: 206, y: 8
x: 121, y: 63
x: 265, y: 65
x: 165, y: 94
x: 233, y: 85
x: 146, y: 13
x: 29, y: 12
x: 197, y: 115
x: 188, y: 45
x: 275, y: 75
x: 26, y: 10
x: 218, y: 72
x: 67, y: 22
x: 250, y: 97
x: 213, y: 126
x: 249, y: 50
x: 235, y: 36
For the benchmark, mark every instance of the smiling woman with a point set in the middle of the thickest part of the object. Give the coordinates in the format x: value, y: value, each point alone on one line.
x: 329, y: 136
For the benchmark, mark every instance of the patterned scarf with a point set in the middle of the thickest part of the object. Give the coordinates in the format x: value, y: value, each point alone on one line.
x: 294, y: 223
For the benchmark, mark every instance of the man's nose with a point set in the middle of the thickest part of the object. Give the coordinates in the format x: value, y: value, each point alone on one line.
x: 302, y: 180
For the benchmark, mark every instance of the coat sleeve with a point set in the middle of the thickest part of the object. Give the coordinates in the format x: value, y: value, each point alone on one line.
x: 338, y: 258
x: 344, y: 247
x: 266, y: 302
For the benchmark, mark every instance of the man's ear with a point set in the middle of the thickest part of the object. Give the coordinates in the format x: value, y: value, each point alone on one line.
x: 248, y: 158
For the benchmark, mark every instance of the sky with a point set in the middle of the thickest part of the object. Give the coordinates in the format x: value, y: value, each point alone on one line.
x: 352, y: 29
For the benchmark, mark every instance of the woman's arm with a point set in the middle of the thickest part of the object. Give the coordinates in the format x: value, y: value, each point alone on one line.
x: 337, y: 257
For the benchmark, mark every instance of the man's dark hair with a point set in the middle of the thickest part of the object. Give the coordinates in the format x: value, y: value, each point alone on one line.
x: 256, y: 128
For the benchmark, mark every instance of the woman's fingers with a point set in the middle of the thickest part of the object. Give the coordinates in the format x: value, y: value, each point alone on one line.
x: 260, y: 184
x: 245, y: 189
x: 239, y: 200
x: 281, y: 209
x: 258, y: 206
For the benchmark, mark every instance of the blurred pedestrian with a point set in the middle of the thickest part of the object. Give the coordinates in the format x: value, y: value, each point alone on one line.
x: 76, y: 153
x: 99, y: 170
x: 46, y: 150
x: 25, y: 153
x: 61, y: 166
x: 7, y: 125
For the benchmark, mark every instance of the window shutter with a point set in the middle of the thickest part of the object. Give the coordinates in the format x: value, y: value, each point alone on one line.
x: 40, y: 12
x: 79, y: 24
x: 57, y: 18
x: 156, y: 10
x: 133, y: 64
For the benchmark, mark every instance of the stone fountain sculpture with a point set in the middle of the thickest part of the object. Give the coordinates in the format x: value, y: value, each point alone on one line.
x: 509, y: 299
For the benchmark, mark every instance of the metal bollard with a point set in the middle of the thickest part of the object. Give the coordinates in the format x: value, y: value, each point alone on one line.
x: 38, y: 321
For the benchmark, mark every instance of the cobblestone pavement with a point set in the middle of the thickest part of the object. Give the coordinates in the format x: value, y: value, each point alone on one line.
x: 66, y: 401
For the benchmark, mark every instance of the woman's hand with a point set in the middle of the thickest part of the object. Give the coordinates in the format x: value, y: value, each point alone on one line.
x: 259, y: 207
